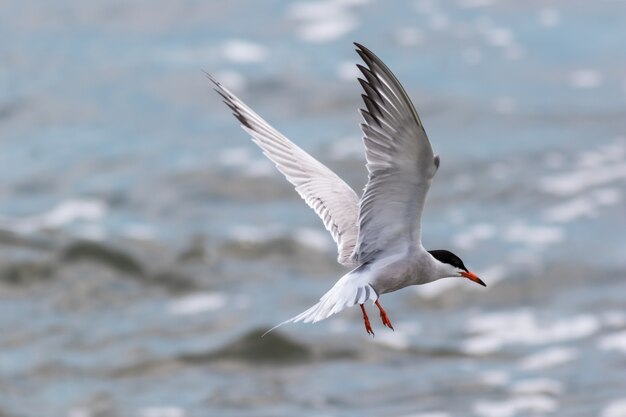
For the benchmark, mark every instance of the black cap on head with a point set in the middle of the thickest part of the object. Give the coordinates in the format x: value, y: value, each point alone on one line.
x: 447, y: 257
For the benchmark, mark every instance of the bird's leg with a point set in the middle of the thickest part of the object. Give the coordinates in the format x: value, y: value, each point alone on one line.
x: 383, y: 315
x: 368, y: 326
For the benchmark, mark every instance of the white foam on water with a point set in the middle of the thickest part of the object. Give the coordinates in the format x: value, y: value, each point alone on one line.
x: 504, y: 105
x: 338, y: 326
x: 63, y: 214
x: 252, y: 234
x: 614, y: 341
x: 235, y: 157
x: 481, y: 345
x: 494, y: 378
x: 616, y: 408
x: 398, y: 339
x: 601, y: 155
x: 427, y: 414
x: 439, y: 21
x: 614, y: 318
x: 471, y: 4
x: 349, y: 3
x: 549, y: 17
x: 347, y: 148
x: 248, y: 165
x: 409, y: 327
x: 170, y: 411
x: 232, y: 80
x: 259, y: 168
x: 531, y: 404
x: 328, y: 30
x: 473, y: 235
x: 608, y: 196
x: 243, y: 51
x: 409, y: 36
x: 495, y: 330
x: 533, y: 235
x: 499, y: 36
x: 576, y: 181
x: 437, y: 288
x: 318, y: 240
x: 548, y: 358
x: 73, y: 210
x: 585, y: 78
x: 490, y: 276
x: 395, y: 340
x: 324, y: 20
x: 197, y: 303
x: 571, y: 210
x: 537, y: 386
x: 583, y: 206
x: 310, y: 10
x: 81, y: 412
x: 347, y: 70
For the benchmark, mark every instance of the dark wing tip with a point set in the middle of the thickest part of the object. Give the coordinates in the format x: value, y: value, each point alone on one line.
x: 365, y: 54
x: 365, y: 57
x: 218, y: 87
x: 362, y: 48
x: 210, y: 77
x: 229, y: 101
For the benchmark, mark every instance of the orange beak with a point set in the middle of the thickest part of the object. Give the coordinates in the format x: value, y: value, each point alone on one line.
x: 473, y: 277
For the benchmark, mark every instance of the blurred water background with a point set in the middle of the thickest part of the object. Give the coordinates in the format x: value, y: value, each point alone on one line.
x: 146, y: 243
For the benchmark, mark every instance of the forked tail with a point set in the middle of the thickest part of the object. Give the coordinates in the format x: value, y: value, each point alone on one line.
x: 351, y: 289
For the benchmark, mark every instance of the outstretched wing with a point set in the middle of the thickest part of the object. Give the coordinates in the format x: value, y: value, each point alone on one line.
x: 331, y: 198
x: 400, y: 163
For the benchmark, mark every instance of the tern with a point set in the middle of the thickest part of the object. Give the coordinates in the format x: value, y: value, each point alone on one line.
x: 379, y: 235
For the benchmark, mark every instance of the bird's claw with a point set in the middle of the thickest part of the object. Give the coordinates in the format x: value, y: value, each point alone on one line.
x: 366, y: 320
x: 386, y: 321
x: 383, y: 316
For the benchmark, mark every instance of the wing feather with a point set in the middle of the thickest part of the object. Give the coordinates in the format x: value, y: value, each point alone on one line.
x: 334, y: 201
x: 400, y: 163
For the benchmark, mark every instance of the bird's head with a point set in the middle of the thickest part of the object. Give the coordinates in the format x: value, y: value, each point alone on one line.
x: 452, y: 266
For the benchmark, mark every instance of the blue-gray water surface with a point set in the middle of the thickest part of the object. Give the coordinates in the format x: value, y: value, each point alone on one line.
x: 146, y: 243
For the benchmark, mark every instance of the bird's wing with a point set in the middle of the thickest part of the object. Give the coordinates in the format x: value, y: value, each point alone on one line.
x: 400, y: 163
x: 331, y: 198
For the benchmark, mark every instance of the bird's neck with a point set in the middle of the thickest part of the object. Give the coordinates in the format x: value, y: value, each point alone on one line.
x: 430, y: 269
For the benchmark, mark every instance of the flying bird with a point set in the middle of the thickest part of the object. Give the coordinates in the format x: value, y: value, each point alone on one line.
x: 378, y: 236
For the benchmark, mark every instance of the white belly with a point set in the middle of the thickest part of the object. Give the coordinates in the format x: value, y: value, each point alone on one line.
x: 394, y: 273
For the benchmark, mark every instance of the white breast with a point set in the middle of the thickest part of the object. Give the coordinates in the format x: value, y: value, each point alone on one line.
x: 395, y: 272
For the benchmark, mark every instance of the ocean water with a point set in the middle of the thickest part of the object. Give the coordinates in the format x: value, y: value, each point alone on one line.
x: 146, y: 243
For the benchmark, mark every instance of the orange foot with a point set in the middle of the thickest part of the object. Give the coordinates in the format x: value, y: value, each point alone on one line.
x: 368, y: 326
x: 383, y: 316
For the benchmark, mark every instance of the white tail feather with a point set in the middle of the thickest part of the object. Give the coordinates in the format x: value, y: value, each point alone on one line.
x: 351, y: 289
